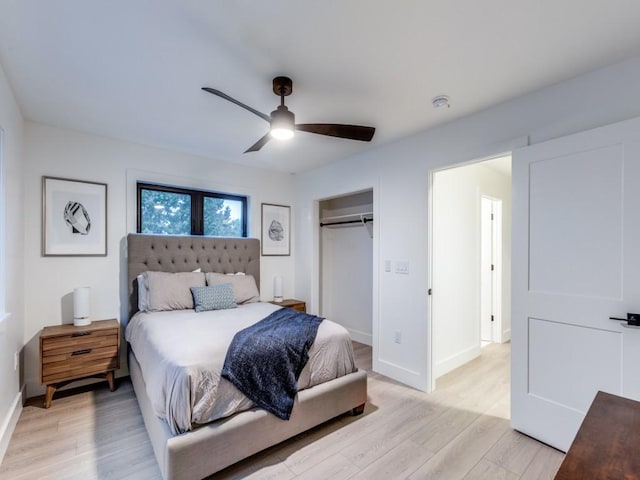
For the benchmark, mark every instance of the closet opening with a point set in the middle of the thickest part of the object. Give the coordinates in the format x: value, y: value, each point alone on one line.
x: 346, y: 263
x: 471, y: 261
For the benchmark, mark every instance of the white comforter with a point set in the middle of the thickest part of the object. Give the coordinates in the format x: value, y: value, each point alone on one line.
x: 181, y: 354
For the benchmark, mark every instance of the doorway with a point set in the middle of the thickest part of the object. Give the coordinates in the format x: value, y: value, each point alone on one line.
x: 457, y: 271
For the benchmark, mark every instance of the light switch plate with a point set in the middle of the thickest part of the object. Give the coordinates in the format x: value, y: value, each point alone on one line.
x: 402, y: 267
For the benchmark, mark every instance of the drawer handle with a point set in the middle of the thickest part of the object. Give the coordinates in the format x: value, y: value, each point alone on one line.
x: 82, y: 352
x: 80, y: 334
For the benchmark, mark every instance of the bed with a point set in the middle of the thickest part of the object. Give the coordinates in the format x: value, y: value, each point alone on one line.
x: 210, y: 447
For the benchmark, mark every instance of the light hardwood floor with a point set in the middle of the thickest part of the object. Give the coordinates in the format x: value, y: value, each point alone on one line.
x: 461, y: 431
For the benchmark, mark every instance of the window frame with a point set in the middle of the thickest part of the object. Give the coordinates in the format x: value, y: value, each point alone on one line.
x: 197, y: 204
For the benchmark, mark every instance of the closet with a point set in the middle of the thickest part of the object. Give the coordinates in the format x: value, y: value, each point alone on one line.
x: 346, y: 262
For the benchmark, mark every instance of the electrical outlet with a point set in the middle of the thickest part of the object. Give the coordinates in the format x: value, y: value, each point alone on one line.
x: 397, y: 337
x: 15, y: 361
x: 387, y: 265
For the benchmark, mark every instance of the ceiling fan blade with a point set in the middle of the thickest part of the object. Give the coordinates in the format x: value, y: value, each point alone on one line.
x: 263, y: 116
x: 352, y: 132
x: 259, y: 144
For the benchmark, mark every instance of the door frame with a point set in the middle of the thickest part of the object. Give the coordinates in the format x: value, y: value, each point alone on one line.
x: 316, y: 280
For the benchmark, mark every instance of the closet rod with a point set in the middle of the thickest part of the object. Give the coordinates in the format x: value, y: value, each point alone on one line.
x: 364, y: 220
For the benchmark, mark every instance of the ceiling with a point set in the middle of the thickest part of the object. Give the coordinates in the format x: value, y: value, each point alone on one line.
x: 133, y: 69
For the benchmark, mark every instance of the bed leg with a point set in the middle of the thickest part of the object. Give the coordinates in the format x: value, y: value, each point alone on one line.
x: 357, y: 410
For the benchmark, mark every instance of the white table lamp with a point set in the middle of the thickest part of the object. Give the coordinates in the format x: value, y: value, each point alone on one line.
x: 277, y: 289
x: 81, y: 306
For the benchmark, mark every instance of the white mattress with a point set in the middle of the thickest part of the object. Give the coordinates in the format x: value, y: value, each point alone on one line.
x: 181, y: 354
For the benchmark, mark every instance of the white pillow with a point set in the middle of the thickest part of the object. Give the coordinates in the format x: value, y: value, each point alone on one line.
x: 245, y: 289
x: 143, y: 293
x: 167, y: 291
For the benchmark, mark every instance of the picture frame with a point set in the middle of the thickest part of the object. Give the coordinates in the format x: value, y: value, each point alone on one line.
x: 74, y: 218
x: 276, y: 230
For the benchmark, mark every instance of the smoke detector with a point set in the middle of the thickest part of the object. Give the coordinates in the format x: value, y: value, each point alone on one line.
x: 440, y: 101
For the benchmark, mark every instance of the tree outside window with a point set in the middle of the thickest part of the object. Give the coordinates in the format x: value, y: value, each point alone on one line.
x: 169, y: 210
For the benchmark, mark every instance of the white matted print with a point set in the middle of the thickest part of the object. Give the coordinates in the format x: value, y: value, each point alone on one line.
x: 74, y: 217
x: 276, y: 229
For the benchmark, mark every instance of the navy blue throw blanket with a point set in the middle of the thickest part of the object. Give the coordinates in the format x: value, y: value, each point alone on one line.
x: 264, y: 361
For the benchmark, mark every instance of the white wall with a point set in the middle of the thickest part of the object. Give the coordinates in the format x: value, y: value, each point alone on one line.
x: 456, y: 261
x: 398, y: 172
x: 63, y: 153
x: 11, y: 328
x: 347, y: 267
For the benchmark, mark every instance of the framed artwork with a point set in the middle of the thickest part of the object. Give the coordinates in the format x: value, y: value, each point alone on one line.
x: 74, y: 218
x: 276, y: 229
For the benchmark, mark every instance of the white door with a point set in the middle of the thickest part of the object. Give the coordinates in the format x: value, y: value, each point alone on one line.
x: 490, y: 266
x: 576, y: 258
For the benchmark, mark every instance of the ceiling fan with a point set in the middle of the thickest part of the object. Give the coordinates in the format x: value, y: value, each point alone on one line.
x: 282, y: 121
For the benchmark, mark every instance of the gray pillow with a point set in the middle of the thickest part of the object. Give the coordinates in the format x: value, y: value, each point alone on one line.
x: 171, y: 291
x: 216, y: 297
x: 143, y: 291
x: 244, y: 286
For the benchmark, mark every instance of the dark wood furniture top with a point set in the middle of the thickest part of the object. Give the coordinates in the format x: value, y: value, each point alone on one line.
x: 298, y: 305
x: 69, y: 353
x: 606, y: 446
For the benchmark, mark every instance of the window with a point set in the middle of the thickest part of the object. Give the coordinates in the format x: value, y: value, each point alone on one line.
x: 168, y: 210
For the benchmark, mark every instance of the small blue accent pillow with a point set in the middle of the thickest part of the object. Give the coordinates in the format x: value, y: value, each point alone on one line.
x: 216, y: 297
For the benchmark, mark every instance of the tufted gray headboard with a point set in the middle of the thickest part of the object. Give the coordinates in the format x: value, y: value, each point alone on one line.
x: 169, y: 253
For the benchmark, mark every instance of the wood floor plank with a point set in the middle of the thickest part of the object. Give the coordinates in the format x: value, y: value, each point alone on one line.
x: 485, y: 470
x: 514, y: 452
x: 459, y: 431
x: 265, y: 465
x: 461, y: 454
x: 335, y: 467
x: 544, y: 465
x: 378, y: 442
x: 400, y: 462
x: 309, y: 449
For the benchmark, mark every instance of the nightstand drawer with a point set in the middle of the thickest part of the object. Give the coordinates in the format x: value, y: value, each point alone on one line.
x: 79, y: 355
x: 55, y: 346
x: 80, y: 366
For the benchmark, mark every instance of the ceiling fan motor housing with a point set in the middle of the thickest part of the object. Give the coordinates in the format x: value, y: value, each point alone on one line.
x: 283, y: 118
x: 282, y: 86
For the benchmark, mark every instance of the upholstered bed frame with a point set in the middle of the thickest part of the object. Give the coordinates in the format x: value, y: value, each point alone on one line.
x: 212, y: 447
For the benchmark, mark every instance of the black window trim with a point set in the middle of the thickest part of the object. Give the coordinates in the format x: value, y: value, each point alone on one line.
x: 197, y: 204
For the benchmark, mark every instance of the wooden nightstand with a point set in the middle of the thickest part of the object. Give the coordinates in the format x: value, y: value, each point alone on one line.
x: 69, y: 353
x: 298, y: 305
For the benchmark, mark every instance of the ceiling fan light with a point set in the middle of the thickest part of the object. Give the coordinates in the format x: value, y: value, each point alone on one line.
x: 282, y: 123
x: 282, y: 133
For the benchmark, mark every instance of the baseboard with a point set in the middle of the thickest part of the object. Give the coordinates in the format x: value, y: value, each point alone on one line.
x: 9, y: 423
x: 506, y: 336
x: 360, y: 337
x: 454, y: 361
